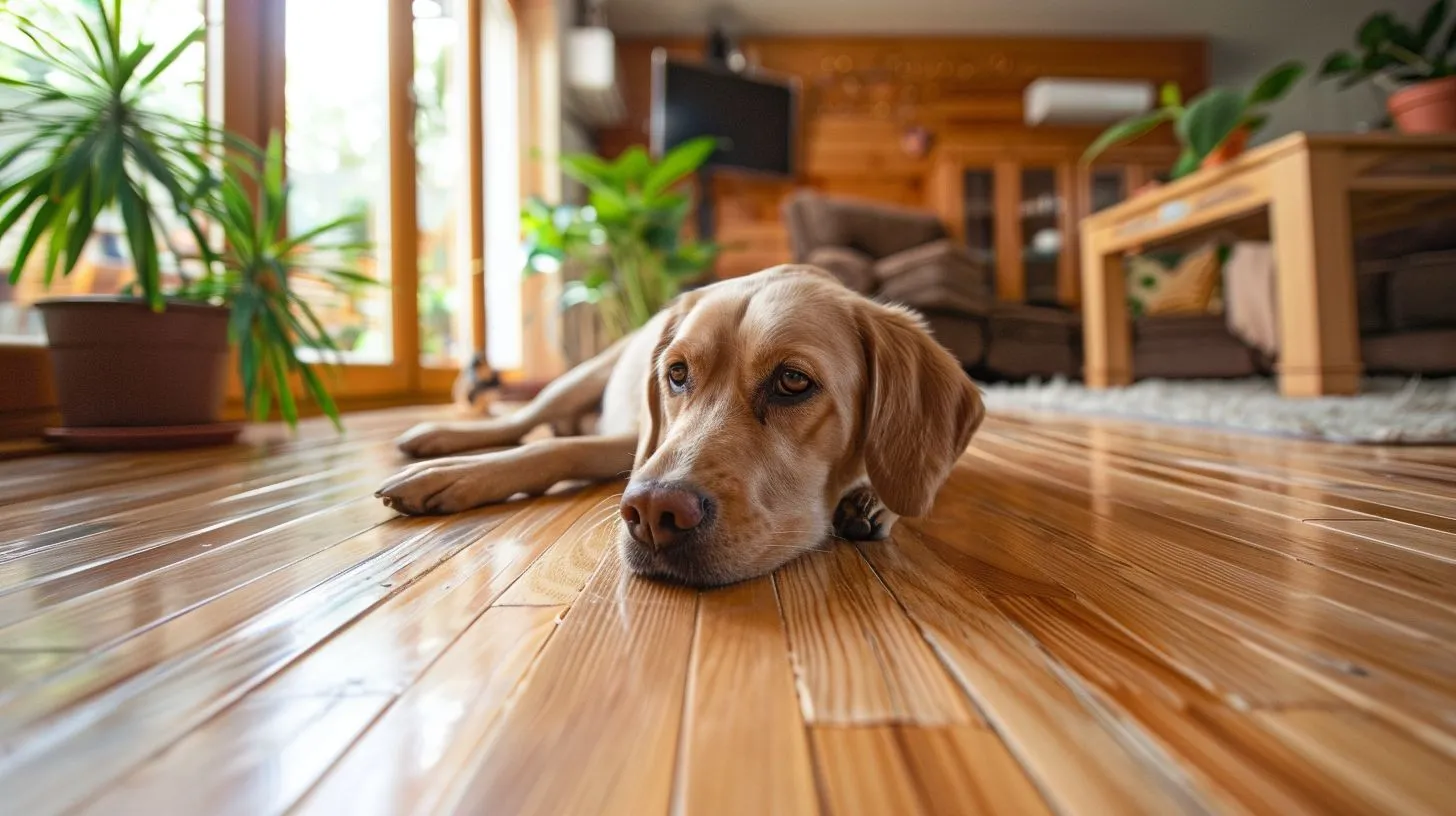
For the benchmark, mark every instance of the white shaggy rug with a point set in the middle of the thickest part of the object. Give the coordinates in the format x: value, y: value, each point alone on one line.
x: 1388, y: 411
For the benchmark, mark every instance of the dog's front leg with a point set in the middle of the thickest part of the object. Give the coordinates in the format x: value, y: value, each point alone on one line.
x: 565, y: 398
x: 462, y: 482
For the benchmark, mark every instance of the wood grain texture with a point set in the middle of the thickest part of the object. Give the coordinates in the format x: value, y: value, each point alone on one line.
x: 740, y: 665
x: 858, y: 658
x: 1097, y: 617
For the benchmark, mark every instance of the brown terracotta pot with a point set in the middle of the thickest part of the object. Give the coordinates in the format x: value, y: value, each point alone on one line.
x: 1231, y: 149
x: 1427, y: 107
x: 119, y: 364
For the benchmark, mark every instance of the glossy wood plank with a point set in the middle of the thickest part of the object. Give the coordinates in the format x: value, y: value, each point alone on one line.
x: 863, y: 772
x: 1097, y: 617
x: 605, y: 699
x: 253, y: 747
x: 1049, y: 721
x: 967, y: 769
x: 557, y: 577
x: 859, y: 659
x: 741, y: 664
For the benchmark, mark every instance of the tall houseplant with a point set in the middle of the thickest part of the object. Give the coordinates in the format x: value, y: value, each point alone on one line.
x: 1212, y: 127
x: 627, y: 241
x: 1415, y: 63
x: 90, y: 139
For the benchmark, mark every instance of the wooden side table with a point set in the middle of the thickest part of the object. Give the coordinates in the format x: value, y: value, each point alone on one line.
x: 1311, y: 194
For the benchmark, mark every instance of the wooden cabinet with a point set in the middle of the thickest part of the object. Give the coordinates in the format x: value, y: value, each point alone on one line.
x: 1017, y: 210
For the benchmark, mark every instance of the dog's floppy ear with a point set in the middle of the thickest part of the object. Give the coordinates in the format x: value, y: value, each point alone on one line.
x: 920, y: 409
x: 650, y: 430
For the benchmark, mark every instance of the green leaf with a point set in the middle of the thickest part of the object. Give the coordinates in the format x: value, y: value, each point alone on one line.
x: 1275, y: 84
x: 1338, y: 64
x: 632, y: 166
x: 1376, y: 30
x: 1211, y: 118
x: 1188, y: 162
x: 588, y: 169
x: 1126, y: 131
x: 143, y: 242
x: 320, y: 395
x: 679, y: 163
x: 1170, y: 95
x: 1431, y: 23
x: 38, y: 224
x: 171, y: 56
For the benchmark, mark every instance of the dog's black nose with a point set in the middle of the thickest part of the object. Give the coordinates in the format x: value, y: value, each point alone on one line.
x: 660, y: 515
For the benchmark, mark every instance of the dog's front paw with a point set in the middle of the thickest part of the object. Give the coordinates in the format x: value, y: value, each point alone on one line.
x: 446, y: 486
x: 443, y: 438
x: 861, y: 516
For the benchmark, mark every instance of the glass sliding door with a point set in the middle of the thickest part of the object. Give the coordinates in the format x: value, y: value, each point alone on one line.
x: 337, y: 141
x: 441, y: 180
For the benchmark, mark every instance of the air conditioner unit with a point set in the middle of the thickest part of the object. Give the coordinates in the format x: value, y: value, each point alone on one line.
x: 591, y: 77
x: 1054, y: 101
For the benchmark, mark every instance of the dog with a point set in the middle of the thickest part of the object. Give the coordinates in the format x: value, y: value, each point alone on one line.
x: 757, y: 417
x: 477, y: 388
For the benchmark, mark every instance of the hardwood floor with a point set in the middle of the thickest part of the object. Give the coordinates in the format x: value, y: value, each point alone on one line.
x: 1098, y: 618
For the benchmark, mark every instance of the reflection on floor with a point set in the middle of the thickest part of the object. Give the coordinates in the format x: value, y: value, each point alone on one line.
x: 1098, y: 618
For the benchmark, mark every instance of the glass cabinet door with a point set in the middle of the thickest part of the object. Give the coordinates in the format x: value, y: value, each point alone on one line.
x: 1042, y: 203
x: 1109, y: 187
x: 980, y: 215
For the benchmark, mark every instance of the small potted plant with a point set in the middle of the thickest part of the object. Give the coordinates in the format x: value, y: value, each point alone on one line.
x: 152, y: 364
x: 1415, y: 64
x: 1213, y: 127
x: 626, y: 243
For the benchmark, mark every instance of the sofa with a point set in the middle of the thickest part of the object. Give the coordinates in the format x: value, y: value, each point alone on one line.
x: 1406, y: 306
x: 898, y: 255
x: 902, y: 255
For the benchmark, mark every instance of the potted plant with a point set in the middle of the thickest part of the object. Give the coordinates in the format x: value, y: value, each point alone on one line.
x: 90, y: 142
x: 1213, y: 127
x: 1416, y: 64
x: 626, y: 243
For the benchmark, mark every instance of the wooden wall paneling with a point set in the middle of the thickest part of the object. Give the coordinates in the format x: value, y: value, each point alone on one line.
x: 859, y: 94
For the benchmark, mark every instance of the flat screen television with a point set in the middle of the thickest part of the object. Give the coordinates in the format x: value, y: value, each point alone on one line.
x: 753, y: 116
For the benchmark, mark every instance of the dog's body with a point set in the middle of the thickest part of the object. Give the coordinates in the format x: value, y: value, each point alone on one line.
x: 756, y: 416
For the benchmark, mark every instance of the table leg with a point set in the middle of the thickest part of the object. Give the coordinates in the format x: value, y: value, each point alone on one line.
x: 1319, y: 330
x: 1106, y: 337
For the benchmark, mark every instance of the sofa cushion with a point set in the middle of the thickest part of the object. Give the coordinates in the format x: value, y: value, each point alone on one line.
x: 964, y: 337
x: 1189, y: 288
x: 1182, y: 329
x: 853, y: 268
x: 1421, y: 294
x: 1419, y: 352
x: 935, y: 273
x: 879, y: 230
x: 1193, y: 362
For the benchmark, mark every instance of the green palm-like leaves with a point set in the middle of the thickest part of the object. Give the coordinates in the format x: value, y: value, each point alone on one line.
x: 105, y: 145
x: 628, y: 240
x: 93, y: 144
x: 1207, y: 120
x: 1396, y: 53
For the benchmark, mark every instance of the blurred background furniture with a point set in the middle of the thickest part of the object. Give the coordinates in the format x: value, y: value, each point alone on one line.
x: 1310, y: 195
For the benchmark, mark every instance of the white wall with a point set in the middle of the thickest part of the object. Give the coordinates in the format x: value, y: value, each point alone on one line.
x: 1246, y: 37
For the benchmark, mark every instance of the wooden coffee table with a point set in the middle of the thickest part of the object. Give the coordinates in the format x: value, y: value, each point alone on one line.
x: 1310, y: 194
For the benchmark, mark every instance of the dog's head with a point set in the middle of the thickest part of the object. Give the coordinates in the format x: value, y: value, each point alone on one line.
x: 768, y: 398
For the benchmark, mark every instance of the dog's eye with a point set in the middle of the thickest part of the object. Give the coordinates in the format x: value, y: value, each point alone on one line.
x: 791, y: 383
x: 677, y: 375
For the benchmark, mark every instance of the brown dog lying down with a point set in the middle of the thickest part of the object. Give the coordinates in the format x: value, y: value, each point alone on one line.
x: 757, y: 417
